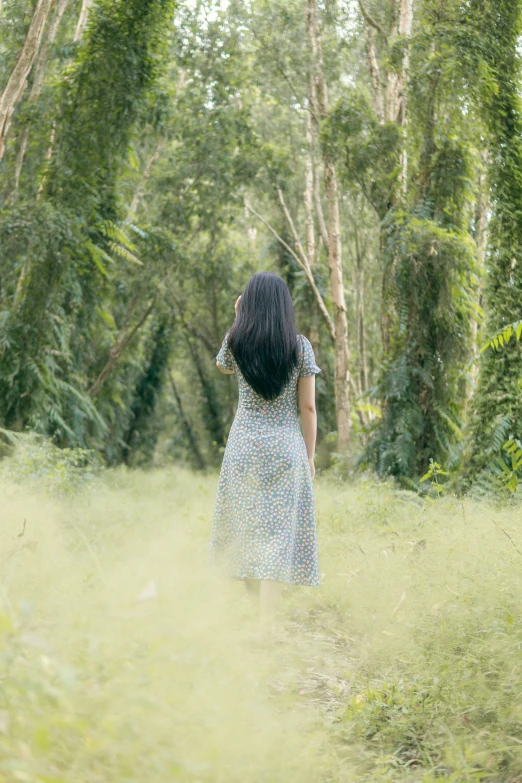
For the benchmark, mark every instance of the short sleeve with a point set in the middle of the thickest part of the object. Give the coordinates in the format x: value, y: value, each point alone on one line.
x: 224, y: 359
x: 307, y: 365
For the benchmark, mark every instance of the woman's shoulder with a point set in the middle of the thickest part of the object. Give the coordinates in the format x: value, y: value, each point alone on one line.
x: 306, y: 357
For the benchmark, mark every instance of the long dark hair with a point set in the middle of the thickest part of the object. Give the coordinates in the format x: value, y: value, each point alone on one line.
x: 263, y: 338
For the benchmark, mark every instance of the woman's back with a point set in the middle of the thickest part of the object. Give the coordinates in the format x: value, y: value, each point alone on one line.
x: 283, y: 408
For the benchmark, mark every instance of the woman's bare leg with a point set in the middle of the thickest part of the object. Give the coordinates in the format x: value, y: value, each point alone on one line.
x: 269, y: 597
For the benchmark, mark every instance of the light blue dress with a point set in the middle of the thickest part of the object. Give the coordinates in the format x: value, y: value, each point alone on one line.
x: 264, y: 520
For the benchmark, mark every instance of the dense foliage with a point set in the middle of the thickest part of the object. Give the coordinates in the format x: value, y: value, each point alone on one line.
x: 158, y: 156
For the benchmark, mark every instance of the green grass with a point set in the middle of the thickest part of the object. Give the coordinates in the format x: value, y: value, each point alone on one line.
x: 406, y: 664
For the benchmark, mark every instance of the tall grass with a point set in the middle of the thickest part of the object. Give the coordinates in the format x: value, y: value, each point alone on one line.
x: 124, y: 657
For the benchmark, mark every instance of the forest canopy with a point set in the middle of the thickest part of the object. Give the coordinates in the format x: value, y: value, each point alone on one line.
x: 155, y: 154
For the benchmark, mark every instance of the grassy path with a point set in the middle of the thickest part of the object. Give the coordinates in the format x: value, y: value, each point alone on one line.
x: 123, y: 658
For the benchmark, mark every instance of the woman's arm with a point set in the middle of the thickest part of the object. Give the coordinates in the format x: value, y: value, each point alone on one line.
x: 226, y: 372
x: 306, y: 394
x: 225, y: 353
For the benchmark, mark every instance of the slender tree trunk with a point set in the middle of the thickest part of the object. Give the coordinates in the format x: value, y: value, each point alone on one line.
x: 375, y: 74
x: 36, y: 89
x: 323, y: 231
x: 342, y: 354
x: 309, y: 193
x: 17, y: 81
x: 214, y: 421
x: 121, y: 343
x: 191, y: 437
x: 361, y: 336
x: 362, y: 340
x: 310, y: 228
x: 39, y: 70
x: 82, y: 20
x: 394, y: 110
x: 342, y: 351
x: 481, y: 222
x: 392, y: 101
x: 405, y: 28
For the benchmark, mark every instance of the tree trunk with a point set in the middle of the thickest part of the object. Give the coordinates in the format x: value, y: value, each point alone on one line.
x: 405, y: 28
x: 36, y: 89
x: 309, y: 212
x: 375, y: 74
x: 82, y: 20
x: 17, y: 81
x: 309, y: 193
x: 342, y: 351
x: 392, y: 97
x: 323, y: 231
x: 118, y: 348
x: 361, y: 336
x: 481, y: 223
x: 39, y: 70
x: 212, y: 416
x: 187, y: 426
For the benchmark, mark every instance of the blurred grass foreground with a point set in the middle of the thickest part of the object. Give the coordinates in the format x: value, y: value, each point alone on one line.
x: 123, y: 657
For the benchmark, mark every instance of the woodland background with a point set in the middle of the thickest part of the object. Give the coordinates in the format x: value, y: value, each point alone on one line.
x: 154, y: 155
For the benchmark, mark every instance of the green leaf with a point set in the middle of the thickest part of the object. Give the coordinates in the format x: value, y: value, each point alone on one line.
x: 97, y: 254
x: 106, y: 316
x: 121, y: 251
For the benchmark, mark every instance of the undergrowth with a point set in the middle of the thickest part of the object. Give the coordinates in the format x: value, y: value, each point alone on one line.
x: 123, y: 657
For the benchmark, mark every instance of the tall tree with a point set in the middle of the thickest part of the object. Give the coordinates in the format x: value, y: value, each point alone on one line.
x: 492, y: 50
x: 17, y: 82
x: 36, y: 87
x: 66, y: 238
x: 427, y: 250
x: 318, y: 99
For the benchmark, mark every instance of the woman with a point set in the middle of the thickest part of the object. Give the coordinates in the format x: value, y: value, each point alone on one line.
x: 264, y: 522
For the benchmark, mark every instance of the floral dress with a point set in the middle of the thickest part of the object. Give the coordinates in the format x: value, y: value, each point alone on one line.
x: 264, y: 520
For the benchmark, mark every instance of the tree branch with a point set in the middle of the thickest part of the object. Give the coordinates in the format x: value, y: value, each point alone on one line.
x: 293, y: 231
x: 117, y: 349
x: 190, y: 328
x: 275, y: 58
x: 306, y: 270
x: 370, y: 20
x: 125, y: 337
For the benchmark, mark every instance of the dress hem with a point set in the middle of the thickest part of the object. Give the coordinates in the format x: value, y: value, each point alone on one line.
x: 277, y: 579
